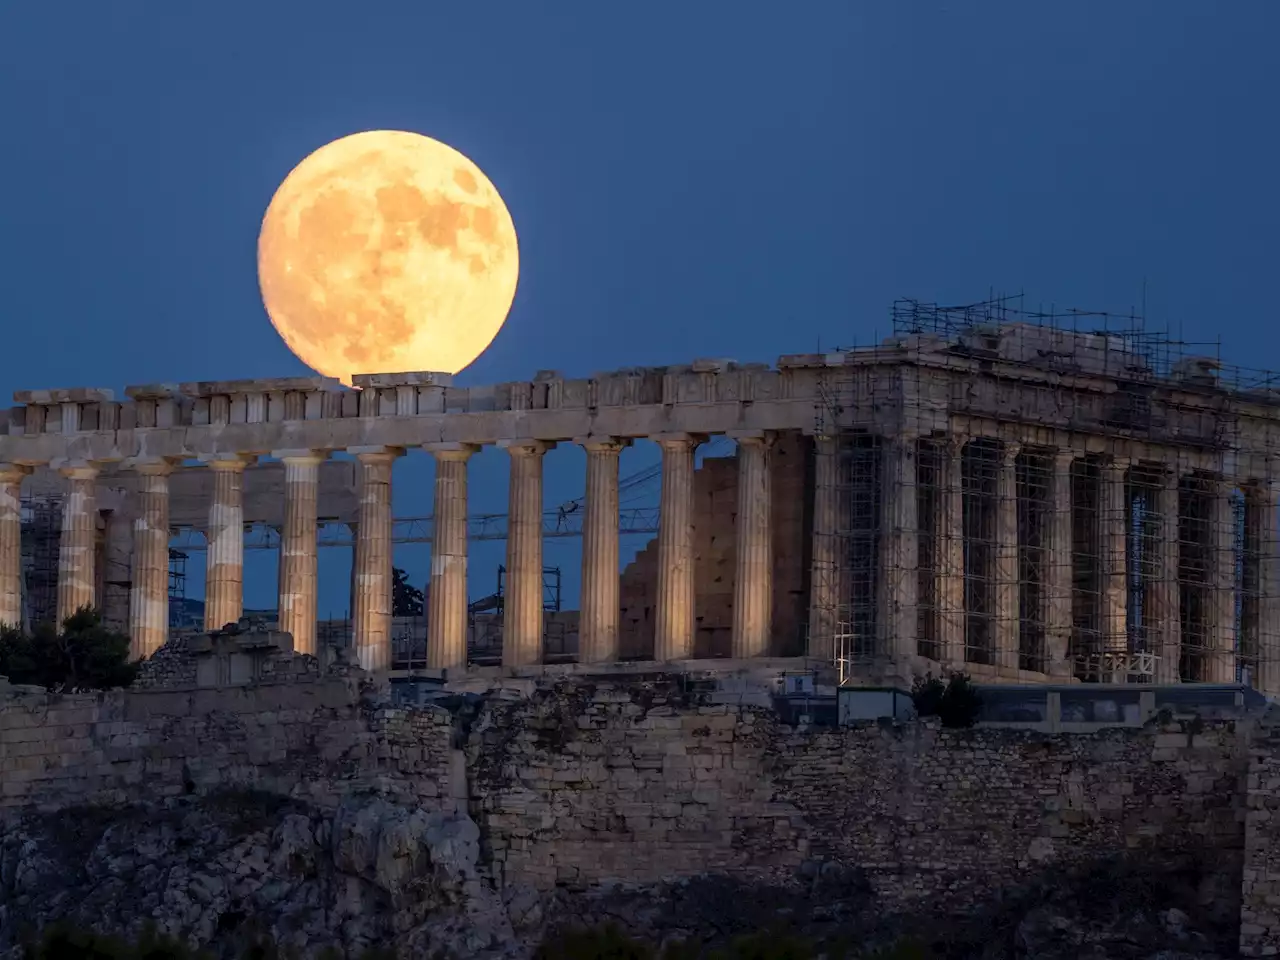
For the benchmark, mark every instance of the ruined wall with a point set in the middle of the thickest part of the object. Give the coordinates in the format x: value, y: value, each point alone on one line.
x: 1260, y: 893
x: 715, y: 544
x: 597, y: 780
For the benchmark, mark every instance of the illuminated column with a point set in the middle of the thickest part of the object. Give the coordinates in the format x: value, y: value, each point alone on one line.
x: 11, y: 475
x: 1006, y: 559
x: 447, y: 620
x: 1166, y: 606
x: 824, y: 591
x: 951, y: 553
x: 149, y: 594
x: 1222, y: 636
x: 297, y: 614
x: 224, y: 559
x: 899, y: 559
x: 371, y: 607
x: 1058, y: 562
x: 1268, y: 514
x: 673, y: 635
x: 753, y: 577
x: 601, y: 603
x: 522, y: 606
x: 78, y: 541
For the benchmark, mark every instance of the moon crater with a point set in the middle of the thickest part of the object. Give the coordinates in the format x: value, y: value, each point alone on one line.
x: 384, y: 252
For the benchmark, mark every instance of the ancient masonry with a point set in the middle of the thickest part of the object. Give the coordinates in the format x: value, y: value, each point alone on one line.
x: 1026, y: 502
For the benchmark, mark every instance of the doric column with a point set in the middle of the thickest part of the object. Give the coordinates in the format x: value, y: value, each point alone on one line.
x: 297, y: 614
x: 1165, y: 612
x: 447, y: 620
x: 11, y: 475
x: 1222, y: 630
x: 1115, y: 548
x: 1006, y: 559
x: 753, y: 573
x: 522, y: 605
x: 1268, y: 511
x: 897, y: 584
x: 149, y: 593
x: 371, y: 606
x: 673, y: 635
x: 600, y: 605
x: 950, y: 551
x: 824, y: 590
x: 1058, y: 566
x: 76, y: 546
x: 224, y: 560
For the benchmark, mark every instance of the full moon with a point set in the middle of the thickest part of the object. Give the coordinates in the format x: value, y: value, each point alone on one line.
x: 387, y: 252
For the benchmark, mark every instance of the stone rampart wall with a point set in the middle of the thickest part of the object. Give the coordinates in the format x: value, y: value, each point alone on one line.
x: 638, y: 781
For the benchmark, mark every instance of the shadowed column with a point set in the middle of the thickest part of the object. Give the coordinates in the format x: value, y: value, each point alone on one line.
x: 753, y: 576
x: 522, y: 606
x: 1222, y: 636
x: 600, y: 605
x: 1267, y: 499
x: 673, y: 634
x: 297, y: 614
x: 1115, y: 547
x: 1006, y: 558
x: 149, y: 594
x: 1059, y: 565
x: 372, y: 605
x: 11, y: 475
x: 899, y: 560
x: 951, y: 553
x: 224, y: 562
x: 77, y: 542
x: 1166, y: 615
x: 447, y: 617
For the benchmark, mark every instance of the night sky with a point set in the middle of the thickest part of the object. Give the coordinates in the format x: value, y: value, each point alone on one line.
x: 722, y: 179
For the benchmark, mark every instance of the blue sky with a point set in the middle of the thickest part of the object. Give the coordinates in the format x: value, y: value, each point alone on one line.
x: 738, y: 179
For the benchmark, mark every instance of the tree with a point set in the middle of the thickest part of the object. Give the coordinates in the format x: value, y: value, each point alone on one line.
x: 406, y: 599
x: 85, y: 655
x: 956, y: 702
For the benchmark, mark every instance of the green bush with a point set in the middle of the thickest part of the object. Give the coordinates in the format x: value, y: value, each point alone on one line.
x: 84, y: 655
x: 956, y: 702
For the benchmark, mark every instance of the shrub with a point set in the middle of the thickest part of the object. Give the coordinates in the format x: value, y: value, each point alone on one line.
x: 84, y: 655
x: 956, y: 702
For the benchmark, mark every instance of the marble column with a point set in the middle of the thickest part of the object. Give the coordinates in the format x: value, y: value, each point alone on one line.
x: 1268, y: 515
x: 1221, y: 656
x: 674, y: 623
x: 1165, y: 610
x: 1007, y: 640
x: 824, y: 573
x: 372, y: 567
x: 897, y: 584
x: 11, y: 475
x: 1115, y: 549
x: 447, y: 620
x: 601, y: 600
x: 522, y: 605
x: 1059, y: 559
x: 78, y: 542
x: 224, y: 559
x: 297, y: 613
x: 149, y: 593
x: 753, y: 571
x: 950, y: 552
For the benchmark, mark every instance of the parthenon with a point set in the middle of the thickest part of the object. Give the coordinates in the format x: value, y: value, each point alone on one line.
x: 1026, y: 502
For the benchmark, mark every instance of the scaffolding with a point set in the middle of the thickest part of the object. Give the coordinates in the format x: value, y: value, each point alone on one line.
x: 1168, y: 561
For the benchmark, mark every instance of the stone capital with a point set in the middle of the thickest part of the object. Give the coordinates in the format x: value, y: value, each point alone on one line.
x: 1009, y: 450
x: 603, y: 444
x: 76, y: 469
x: 755, y: 438
x: 526, y: 448
x: 151, y: 466
x: 13, y: 472
x: 376, y: 454
x: 301, y: 456
x: 456, y: 452
x: 229, y: 462
x: 677, y: 441
x: 1063, y: 457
